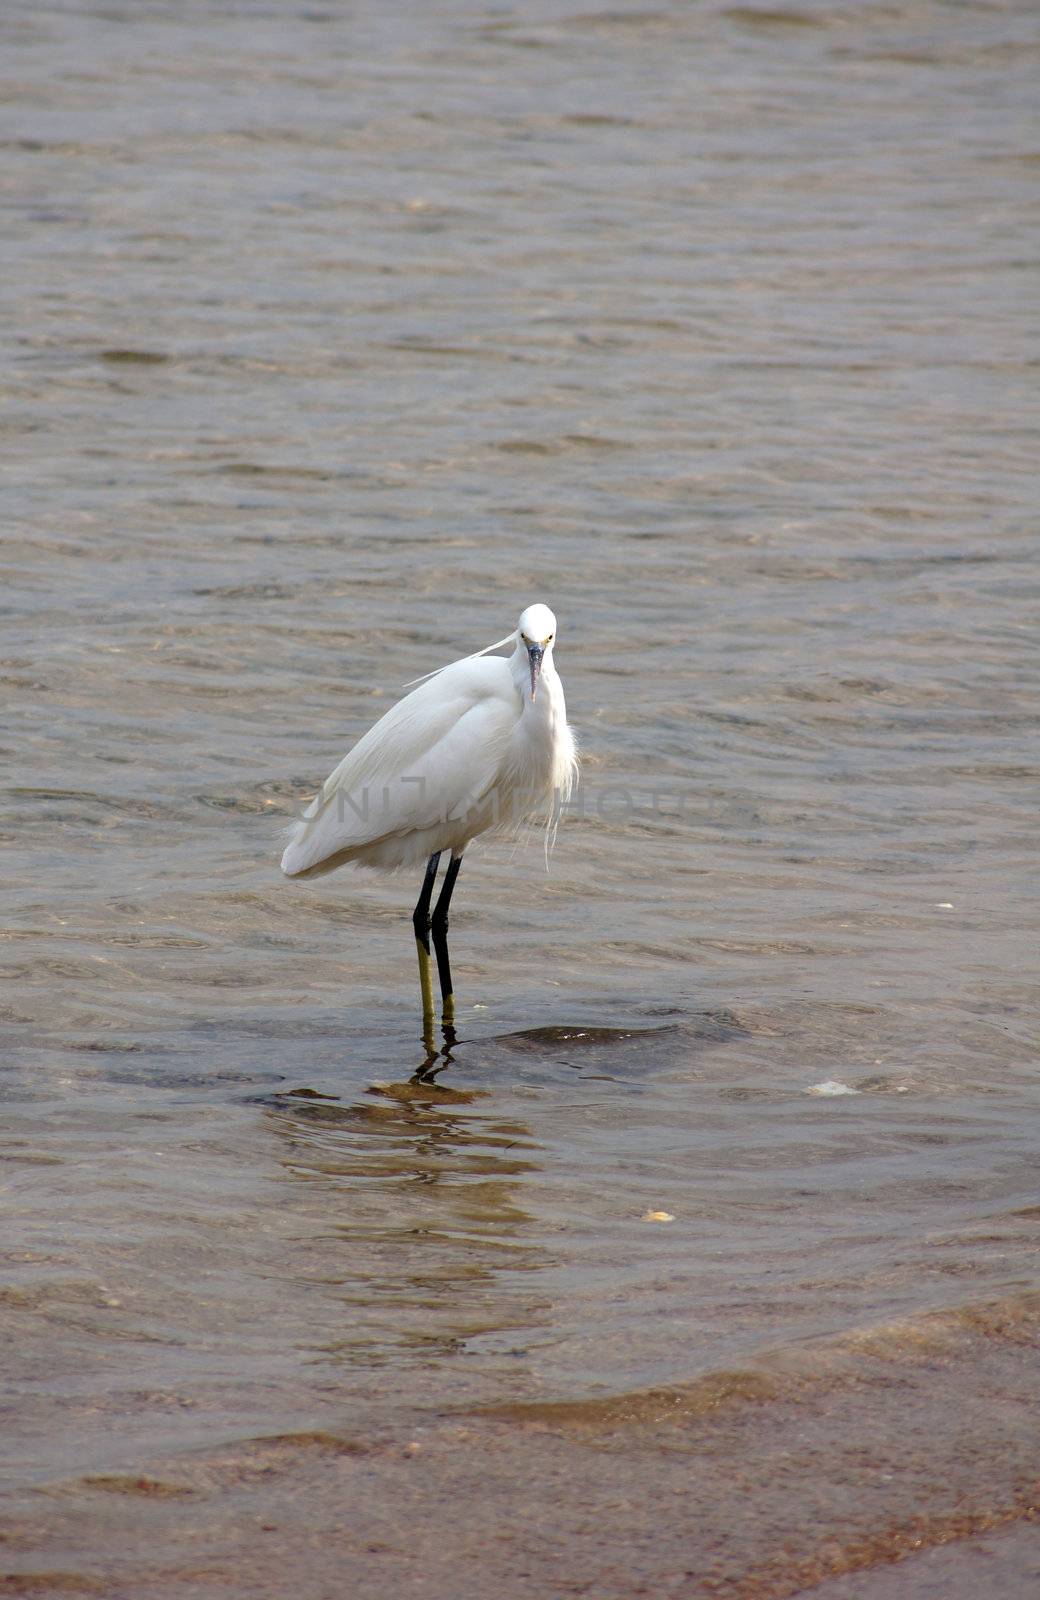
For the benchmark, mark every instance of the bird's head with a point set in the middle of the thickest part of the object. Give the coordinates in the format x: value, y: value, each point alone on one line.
x: 536, y: 633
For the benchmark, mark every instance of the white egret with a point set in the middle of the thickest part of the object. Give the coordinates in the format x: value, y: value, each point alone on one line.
x: 477, y: 747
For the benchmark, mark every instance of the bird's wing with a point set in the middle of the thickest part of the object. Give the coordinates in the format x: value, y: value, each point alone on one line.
x: 432, y: 757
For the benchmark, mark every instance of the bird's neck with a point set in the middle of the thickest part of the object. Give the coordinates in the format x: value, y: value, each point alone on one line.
x: 520, y: 668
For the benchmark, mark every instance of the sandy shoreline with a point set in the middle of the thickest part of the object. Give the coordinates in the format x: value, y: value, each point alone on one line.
x: 838, y: 1461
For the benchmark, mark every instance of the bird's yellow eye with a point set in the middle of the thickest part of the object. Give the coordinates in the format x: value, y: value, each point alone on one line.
x: 525, y: 638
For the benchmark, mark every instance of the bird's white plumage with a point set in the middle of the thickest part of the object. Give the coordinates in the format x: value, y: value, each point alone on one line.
x: 468, y: 751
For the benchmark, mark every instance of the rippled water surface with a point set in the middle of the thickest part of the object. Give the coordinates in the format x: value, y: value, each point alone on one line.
x: 335, y: 336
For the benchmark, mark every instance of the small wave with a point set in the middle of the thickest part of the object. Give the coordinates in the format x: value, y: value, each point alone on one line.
x: 796, y: 1372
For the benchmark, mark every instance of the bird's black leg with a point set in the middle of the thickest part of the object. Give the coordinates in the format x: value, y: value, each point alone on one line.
x: 421, y: 924
x: 421, y: 914
x: 439, y: 926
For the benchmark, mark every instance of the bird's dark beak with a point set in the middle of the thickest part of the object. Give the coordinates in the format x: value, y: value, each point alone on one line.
x: 535, y: 654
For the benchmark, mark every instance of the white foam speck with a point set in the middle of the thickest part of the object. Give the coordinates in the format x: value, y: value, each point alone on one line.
x: 830, y: 1086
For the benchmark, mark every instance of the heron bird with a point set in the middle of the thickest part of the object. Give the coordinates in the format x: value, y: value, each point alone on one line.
x: 478, y: 746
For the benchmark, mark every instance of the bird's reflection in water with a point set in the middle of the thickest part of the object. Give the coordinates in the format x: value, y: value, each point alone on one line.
x: 438, y: 1056
x: 413, y: 1195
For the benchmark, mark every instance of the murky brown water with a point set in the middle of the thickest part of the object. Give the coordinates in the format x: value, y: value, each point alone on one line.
x: 335, y: 336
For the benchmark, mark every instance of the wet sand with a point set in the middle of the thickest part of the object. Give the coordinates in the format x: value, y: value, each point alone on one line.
x: 809, y: 1467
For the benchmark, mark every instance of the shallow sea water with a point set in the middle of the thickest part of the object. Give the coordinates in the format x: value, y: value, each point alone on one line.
x: 335, y: 336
